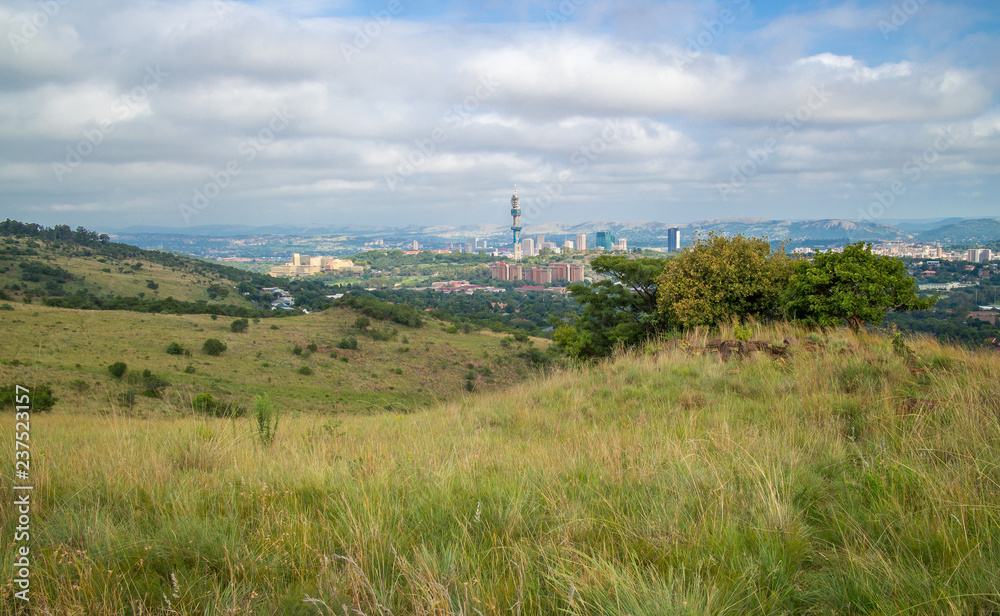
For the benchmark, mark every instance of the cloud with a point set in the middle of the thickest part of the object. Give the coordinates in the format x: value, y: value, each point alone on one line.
x: 368, y: 92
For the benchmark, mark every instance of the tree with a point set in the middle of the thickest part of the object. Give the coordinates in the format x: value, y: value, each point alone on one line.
x: 621, y: 309
x: 855, y: 286
x: 213, y: 346
x: 118, y: 369
x: 718, y: 278
x: 239, y: 325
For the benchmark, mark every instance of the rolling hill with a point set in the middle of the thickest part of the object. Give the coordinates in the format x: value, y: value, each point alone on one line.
x: 965, y: 231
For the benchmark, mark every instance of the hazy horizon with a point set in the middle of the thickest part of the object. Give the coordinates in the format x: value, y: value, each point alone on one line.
x: 183, y: 114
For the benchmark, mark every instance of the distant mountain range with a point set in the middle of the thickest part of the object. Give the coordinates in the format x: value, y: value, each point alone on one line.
x: 949, y: 230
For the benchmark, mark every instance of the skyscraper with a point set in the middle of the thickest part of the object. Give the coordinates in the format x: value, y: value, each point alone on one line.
x: 515, y: 212
x: 528, y: 247
x: 605, y: 240
x: 581, y: 241
x: 673, y: 239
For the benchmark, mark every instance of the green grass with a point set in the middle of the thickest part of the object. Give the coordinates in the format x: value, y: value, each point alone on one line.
x: 102, y: 277
x: 59, y: 346
x: 664, y: 483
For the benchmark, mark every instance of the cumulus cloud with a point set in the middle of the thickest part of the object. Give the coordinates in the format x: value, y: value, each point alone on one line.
x: 125, y: 112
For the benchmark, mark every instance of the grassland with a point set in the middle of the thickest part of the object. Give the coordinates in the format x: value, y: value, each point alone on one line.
x: 845, y: 478
x: 72, y: 349
x: 104, y: 276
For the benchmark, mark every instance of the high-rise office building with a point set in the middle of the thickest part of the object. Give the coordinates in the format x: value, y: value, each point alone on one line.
x: 605, y: 240
x: 539, y: 240
x: 673, y: 239
x: 528, y: 247
x: 581, y: 241
x: 568, y: 244
x: 979, y: 255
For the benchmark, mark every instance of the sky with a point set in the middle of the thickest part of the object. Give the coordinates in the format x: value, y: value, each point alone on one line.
x: 396, y: 112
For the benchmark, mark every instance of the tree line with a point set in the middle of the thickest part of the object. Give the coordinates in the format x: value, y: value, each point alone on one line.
x: 719, y: 279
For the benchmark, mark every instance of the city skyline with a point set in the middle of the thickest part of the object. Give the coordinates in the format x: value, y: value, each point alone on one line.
x: 203, y: 112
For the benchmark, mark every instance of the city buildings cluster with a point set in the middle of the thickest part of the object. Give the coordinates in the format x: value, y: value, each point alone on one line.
x: 308, y: 266
x: 571, y: 272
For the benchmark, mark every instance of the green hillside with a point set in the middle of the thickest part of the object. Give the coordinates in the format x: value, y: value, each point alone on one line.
x: 966, y: 231
x: 51, y: 268
x: 392, y: 367
x: 843, y: 478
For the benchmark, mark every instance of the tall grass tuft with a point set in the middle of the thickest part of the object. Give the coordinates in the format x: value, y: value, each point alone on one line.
x: 267, y: 414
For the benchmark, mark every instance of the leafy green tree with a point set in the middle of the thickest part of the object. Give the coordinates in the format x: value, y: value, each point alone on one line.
x: 239, y: 326
x: 213, y: 346
x: 718, y: 278
x: 856, y: 286
x: 620, y: 309
x: 118, y: 369
x: 175, y: 348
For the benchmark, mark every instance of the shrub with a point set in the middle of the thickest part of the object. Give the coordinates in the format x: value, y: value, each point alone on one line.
x: 118, y: 369
x: 79, y: 385
x: 40, y: 396
x: 126, y: 398
x: 297, y: 350
x: 190, y: 369
x: 267, y: 415
x: 6, y: 307
x: 362, y: 323
x: 350, y: 343
x: 239, y: 326
x: 274, y: 327
x: 451, y: 329
x: 204, y: 403
x: 215, y: 317
x: 175, y: 348
x: 152, y: 385
x: 213, y: 346
x: 312, y: 347
x: 383, y: 335
x: 305, y: 371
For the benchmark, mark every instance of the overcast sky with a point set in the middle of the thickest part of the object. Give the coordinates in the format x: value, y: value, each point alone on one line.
x: 117, y: 113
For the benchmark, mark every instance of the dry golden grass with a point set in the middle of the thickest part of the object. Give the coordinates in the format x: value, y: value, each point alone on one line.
x: 661, y: 482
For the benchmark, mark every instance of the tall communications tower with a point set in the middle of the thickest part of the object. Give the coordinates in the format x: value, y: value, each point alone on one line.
x: 515, y: 211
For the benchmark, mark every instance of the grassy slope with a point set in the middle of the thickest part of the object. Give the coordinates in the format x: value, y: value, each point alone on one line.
x: 83, y: 263
x: 71, y: 349
x: 838, y: 481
